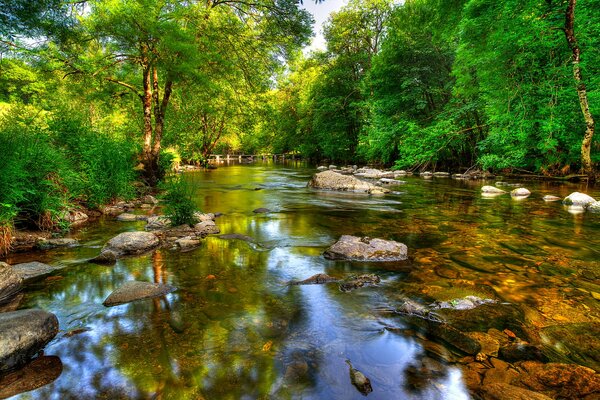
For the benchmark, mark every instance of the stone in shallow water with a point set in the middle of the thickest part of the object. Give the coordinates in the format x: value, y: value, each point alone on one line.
x: 504, y: 391
x: 40, y: 372
x: 579, y: 342
x: 492, y: 190
x: 551, y: 198
x: 330, y: 180
x: 10, y: 283
x: 315, y: 280
x: 23, y: 334
x: 130, y: 243
x: 207, y: 227
x: 563, y: 381
x: 33, y: 270
x: 136, y: 290
x: 520, y: 192
x: 578, y: 199
x: 366, y: 249
x: 52, y: 243
x: 261, y: 210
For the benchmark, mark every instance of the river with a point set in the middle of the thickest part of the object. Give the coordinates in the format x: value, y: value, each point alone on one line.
x: 234, y: 329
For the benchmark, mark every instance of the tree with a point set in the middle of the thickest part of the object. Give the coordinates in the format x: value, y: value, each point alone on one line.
x: 149, y: 46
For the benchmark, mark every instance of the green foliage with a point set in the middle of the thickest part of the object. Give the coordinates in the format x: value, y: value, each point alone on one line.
x: 178, y: 201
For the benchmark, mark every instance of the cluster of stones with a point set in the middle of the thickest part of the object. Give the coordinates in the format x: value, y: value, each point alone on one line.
x: 576, y: 202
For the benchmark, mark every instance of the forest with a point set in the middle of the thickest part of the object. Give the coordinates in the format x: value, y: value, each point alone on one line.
x: 97, y: 97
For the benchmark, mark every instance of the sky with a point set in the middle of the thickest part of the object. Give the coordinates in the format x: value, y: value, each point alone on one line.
x: 320, y: 13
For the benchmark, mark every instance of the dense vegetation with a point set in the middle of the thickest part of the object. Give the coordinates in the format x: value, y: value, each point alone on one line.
x: 97, y: 95
x: 448, y: 84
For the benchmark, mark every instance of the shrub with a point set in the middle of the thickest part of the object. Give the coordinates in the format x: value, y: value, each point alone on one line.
x: 178, y: 201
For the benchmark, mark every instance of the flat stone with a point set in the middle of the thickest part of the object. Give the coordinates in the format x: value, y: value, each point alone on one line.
x: 261, y: 210
x: 158, y: 222
x: 551, y: 198
x: 23, y: 334
x: 208, y: 227
x: 366, y: 249
x: 520, y: 192
x: 186, y: 244
x: 136, y: 290
x: 388, y: 181
x: 564, y: 381
x: 127, y: 217
x: 10, y: 283
x: 204, y: 216
x: 132, y: 243
x: 504, y: 391
x: 52, y: 243
x: 33, y: 270
x: 578, y: 342
x: 492, y: 190
x: 38, y: 373
x: 329, y: 180
x: 316, y: 279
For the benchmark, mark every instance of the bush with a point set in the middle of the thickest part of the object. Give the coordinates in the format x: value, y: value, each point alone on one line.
x: 178, y: 201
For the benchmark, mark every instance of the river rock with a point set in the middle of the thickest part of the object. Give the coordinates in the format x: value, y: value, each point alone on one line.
x: 441, y: 174
x: 107, y: 257
x: 32, y: 270
x: 388, y: 181
x: 366, y: 249
x: 136, y: 290
x: 149, y: 199
x: 38, y: 373
x: 578, y: 199
x: 200, y: 217
x: 74, y: 217
x: 594, y: 207
x: 549, y: 197
x: 504, y: 391
x: 329, y: 180
x: 520, y: 192
x: 492, y: 190
x: 46, y: 244
x: 316, y: 279
x: 127, y: 217
x: 359, y: 281
x: 237, y: 236
x: 261, y: 210
x: 513, y: 352
x: 132, y: 243
x: 207, y: 228
x: 577, y: 342
x: 400, y: 173
x: 372, y: 173
x: 23, y: 334
x: 484, y: 317
x: 322, y: 168
x: 563, y: 381
x: 333, y: 166
x: 187, y: 243
x: 157, y: 223
x: 10, y: 283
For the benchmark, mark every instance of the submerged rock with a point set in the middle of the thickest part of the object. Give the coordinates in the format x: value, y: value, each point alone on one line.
x: 521, y: 352
x: 577, y: 342
x: 492, y: 190
x: 23, y: 334
x: 10, y: 283
x: 187, y: 243
x: 563, y: 381
x: 359, y: 380
x: 237, y: 236
x: 33, y: 270
x: 504, y: 391
x: 389, y: 181
x: 136, y: 290
x: 366, y: 249
x: 315, y: 280
x: 578, y: 199
x: 520, y: 192
x: 551, y: 198
x: 329, y: 180
x: 131, y: 243
x: 359, y: 281
x: 261, y: 210
x: 38, y: 373
x: 107, y: 257
x: 60, y: 242
x: 207, y: 227
x: 466, y: 303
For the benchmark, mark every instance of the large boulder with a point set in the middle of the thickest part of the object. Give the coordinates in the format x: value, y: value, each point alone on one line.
x: 132, y: 243
x: 33, y: 270
x: 578, y: 199
x: 10, y: 283
x: 366, y: 249
x: 23, y: 334
x: 136, y: 290
x: 329, y: 180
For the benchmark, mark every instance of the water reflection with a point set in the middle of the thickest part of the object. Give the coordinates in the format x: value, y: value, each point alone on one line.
x: 234, y: 329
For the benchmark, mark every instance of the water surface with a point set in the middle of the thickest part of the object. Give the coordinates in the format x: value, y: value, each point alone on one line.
x: 235, y: 330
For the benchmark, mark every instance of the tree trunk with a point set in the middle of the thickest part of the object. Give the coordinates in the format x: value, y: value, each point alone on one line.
x: 149, y: 161
x: 586, y: 143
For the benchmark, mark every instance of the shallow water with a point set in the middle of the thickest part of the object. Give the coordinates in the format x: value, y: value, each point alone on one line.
x: 245, y: 334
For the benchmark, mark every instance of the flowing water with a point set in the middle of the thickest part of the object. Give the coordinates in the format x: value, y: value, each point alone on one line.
x: 234, y: 329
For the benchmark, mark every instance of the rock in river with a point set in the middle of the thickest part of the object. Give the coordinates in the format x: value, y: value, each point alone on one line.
x: 550, y: 197
x: 594, y: 207
x: 520, y: 192
x: 136, y: 290
x: 59, y: 242
x: 492, y: 190
x: 329, y: 180
x: 23, y: 334
x: 207, y: 227
x: 578, y: 199
x: 38, y: 373
x: 32, y: 270
x: 10, y: 283
x: 366, y: 249
x: 131, y: 243
x: 316, y: 279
